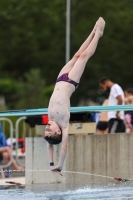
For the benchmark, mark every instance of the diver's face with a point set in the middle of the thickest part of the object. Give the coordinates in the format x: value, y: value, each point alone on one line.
x: 52, y: 128
x: 104, y: 87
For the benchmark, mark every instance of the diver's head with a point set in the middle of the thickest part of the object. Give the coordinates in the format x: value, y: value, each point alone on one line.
x: 53, y: 133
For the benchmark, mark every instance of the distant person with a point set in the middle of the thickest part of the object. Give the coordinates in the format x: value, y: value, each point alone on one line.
x: 129, y: 121
x: 129, y: 96
x: 129, y: 114
x: 116, y: 97
x: 102, y: 126
x: 5, y: 152
x: 128, y: 92
x: 59, y: 105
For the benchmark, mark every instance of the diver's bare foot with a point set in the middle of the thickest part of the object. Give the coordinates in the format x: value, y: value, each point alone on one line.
x: 95, y: 27
x: 100, y: 25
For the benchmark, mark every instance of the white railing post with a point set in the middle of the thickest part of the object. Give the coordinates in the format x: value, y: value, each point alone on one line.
x: 11, y: 136
x: 17, y: 134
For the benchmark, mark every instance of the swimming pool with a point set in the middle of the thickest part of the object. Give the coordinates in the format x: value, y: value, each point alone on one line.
x: 109, y: 190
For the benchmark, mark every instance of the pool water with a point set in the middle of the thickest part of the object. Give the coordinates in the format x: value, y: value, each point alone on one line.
x: 109, y: 190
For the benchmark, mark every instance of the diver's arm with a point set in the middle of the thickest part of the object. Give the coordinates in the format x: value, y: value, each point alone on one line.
x: 50, y: 150
x: 63, y: 148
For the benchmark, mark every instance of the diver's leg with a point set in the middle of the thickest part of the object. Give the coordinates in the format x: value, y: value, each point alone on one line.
x: 67, y: 68
x: 79, y: 66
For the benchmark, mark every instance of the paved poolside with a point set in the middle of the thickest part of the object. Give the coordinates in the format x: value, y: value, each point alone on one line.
x: 20, y: 180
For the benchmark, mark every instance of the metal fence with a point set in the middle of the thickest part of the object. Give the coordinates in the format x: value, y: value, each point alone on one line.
x: 26, y: 131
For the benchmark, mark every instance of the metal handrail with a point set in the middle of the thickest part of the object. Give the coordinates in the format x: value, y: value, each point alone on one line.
x: 11, y: 136
x: 17, y: 134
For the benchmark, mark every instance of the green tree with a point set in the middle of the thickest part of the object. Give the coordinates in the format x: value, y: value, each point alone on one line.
x: 9, y: 89
x: 33, y: 92
x: 113, y: 56
x: 33, y: 36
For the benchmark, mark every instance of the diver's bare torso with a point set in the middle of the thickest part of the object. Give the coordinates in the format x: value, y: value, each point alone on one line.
x: 59, y: 105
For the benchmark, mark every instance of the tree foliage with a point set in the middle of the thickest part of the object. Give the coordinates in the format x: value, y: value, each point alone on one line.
x: 9, y: 89
x: 32, y: 92
x: 32, y: 36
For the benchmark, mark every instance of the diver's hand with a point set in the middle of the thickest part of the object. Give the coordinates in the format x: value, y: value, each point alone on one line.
x: 57, y: 169
x: 52, y: 167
